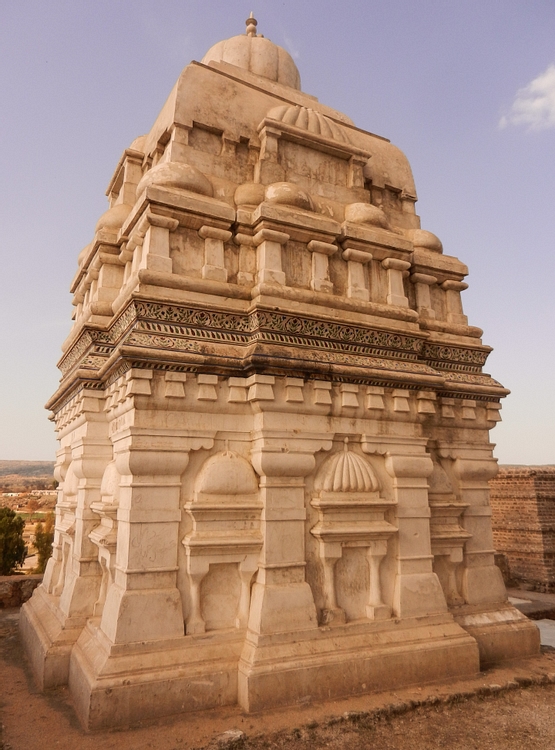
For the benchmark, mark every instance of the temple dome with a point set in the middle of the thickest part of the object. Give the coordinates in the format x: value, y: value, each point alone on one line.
x: 256, y: 54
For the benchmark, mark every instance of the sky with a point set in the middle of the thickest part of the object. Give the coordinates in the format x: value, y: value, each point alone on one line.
x: 465, y: 88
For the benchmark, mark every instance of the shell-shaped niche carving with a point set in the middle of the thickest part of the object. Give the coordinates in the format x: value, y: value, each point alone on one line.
x: 425, y: 240
x: 347, y: 472
x: 109, y: 486
x: 71, y: 482
x: 249, y: 194
x: 176, y: 175
x: 366, y: 213
x: 439, y: 483
x: 289, y: 194
x: 307, y: 119
x: 227, y: 473
x: 113, y: 219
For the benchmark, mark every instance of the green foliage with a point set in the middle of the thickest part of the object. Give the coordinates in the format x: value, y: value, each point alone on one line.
x: 44, y: 536
x: 12, y: 546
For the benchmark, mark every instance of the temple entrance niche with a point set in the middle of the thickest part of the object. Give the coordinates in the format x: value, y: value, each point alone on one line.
x: 448, y: 537
x: 223, y: 547
x: 57, y: 570
x: 106, y: 533
x: 354, y: 530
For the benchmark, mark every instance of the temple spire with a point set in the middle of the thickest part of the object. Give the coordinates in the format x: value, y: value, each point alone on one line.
x: 251, y: 25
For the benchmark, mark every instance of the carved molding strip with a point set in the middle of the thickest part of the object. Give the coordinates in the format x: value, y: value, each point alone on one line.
x: 178, y: 328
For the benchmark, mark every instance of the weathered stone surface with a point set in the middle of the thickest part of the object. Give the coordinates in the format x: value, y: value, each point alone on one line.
x: 273, y: 422
x: 15, y: 590
x: 523, y: 523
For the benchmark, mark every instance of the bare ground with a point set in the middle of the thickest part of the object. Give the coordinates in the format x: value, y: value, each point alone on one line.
x: 508, y: 708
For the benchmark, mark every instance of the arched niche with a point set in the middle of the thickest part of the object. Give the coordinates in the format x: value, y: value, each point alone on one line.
x: 104, y: 535
x: 448, y: 537
x: 223, y: 546
x: 352, y: 525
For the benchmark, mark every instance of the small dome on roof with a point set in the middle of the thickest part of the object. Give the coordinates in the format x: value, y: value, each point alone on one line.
x: 421, y: 238
x: 256, y: 54
x: 176, y: 175
x: 138, y: 144
x: 113, y: 219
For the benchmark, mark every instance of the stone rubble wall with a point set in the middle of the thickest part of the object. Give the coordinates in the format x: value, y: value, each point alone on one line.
x: 16, y: 590
x: 523, y: 521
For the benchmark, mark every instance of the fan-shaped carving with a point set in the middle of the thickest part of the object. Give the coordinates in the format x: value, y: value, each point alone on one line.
x: 438, y: 481
x: 305, y: 118
x: 227, y: 473
x: 347, y: 472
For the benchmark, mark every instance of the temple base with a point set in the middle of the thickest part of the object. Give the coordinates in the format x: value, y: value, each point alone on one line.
x: 116, y: 686
x: 48, y: 638
x: 502, y: 634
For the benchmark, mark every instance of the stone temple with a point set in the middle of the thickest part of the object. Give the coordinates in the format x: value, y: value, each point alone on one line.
x: 273, y: 421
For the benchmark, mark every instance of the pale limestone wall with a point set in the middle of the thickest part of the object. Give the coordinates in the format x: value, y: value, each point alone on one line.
x: 273, y: 423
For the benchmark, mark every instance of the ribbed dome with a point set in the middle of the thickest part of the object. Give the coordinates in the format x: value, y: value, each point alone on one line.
x: 257, y: 55
x: 305, y: 118
x: 347, y: 472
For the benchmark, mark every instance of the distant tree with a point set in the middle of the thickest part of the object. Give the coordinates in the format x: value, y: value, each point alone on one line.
x: 44, y: 536
x: 55, y: 484
x: 33, y: 504
x: 12, y: 546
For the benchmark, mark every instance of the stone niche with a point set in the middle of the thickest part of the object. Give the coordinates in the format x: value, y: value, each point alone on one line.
x: 273, y: 422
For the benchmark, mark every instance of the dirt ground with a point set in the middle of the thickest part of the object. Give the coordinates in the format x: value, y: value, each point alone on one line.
x: 509, y: 708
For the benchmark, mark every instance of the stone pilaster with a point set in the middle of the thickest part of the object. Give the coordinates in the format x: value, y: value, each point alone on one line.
x: 418, y: 591
x: 144, y: 603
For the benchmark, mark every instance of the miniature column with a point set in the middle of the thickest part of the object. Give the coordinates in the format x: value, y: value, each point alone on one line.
x: 417, y: 588
x: 144, y: 603
x: 396, y: 269
x: 422, y: 283
x: 453, y: 301
x: 482, y: 581
x: 281, y: 598
x: 91, y: 453
x: 321, y: 252
x: 156, y: 244
x: 268, y: 245
x: 214, y: 263
x: 356, y: 282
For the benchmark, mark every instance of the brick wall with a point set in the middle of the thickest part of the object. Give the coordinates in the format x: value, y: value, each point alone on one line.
x: 523, y: 522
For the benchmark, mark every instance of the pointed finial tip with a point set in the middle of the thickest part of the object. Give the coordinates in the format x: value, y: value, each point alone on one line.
x: 251, y: 25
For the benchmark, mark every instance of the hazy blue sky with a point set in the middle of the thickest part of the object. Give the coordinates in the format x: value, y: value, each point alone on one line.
x: 465, y: 88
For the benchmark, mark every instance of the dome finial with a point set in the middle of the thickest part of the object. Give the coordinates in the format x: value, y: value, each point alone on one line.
x: 251, y: 25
